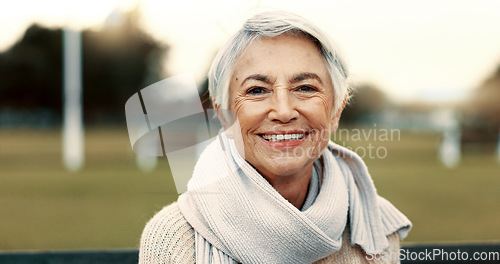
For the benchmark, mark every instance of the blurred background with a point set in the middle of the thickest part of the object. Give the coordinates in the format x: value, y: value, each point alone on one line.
x: 427, y: 72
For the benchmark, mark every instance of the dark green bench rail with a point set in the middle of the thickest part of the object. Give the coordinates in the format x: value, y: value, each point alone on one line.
x: 70, y: 257
x: 490, y: 250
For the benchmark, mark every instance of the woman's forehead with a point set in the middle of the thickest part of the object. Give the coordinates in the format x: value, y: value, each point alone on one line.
x: 289, y: 55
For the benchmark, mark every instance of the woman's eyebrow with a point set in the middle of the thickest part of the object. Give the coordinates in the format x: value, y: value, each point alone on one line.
x: 258, y: 77
x: 304, y: 76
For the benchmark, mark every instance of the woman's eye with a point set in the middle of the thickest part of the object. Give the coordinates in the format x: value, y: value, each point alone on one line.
x: 307, y: 89
x: 256, y: 91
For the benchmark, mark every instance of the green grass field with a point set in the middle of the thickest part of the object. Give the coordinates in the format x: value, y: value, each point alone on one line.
x: 107, y: 204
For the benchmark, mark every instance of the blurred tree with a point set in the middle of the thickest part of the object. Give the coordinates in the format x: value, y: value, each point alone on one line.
x: 366, y: 102
x: 481, y: 115
x: 30, y: 71
x: 485, y: 101
x: 118, y: 60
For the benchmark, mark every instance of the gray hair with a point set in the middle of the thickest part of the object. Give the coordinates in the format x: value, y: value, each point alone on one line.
x: 272, y: 24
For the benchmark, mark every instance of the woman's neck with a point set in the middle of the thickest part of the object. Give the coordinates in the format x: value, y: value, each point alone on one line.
x: 293, y: 188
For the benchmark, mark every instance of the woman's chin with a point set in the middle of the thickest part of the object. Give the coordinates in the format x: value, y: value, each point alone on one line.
x: 283, y: 161
x: 287, y: 166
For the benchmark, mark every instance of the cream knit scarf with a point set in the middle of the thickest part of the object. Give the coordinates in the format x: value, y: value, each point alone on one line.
x: 239, y: 217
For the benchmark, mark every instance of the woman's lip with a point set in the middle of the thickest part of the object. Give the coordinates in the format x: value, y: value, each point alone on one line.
x: 282, y: 132
x: 285, y: 144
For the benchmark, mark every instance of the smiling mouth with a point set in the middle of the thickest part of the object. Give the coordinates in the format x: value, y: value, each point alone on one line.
x: 282, y: 137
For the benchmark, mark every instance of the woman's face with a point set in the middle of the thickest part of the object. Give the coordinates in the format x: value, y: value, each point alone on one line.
x: 282, y: 94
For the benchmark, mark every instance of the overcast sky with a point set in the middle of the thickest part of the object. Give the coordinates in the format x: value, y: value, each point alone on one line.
x: 413, y: 50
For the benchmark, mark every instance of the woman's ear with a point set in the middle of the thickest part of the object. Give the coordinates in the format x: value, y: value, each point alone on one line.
x: 336, y: 117
x: 222, y: 117
x: 231, y: 126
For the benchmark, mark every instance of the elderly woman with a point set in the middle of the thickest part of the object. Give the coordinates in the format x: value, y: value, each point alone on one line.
x: 273, y: 188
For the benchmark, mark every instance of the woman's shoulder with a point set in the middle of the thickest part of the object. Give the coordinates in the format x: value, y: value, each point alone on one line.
x: 167, y: 238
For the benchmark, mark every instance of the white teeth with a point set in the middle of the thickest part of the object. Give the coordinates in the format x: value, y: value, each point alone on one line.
x: 281, y: 137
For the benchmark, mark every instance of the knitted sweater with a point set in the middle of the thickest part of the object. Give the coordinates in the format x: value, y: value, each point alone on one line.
x: 168, y: 238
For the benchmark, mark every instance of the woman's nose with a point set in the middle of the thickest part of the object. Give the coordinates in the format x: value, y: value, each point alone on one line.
x: 283, y: 108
